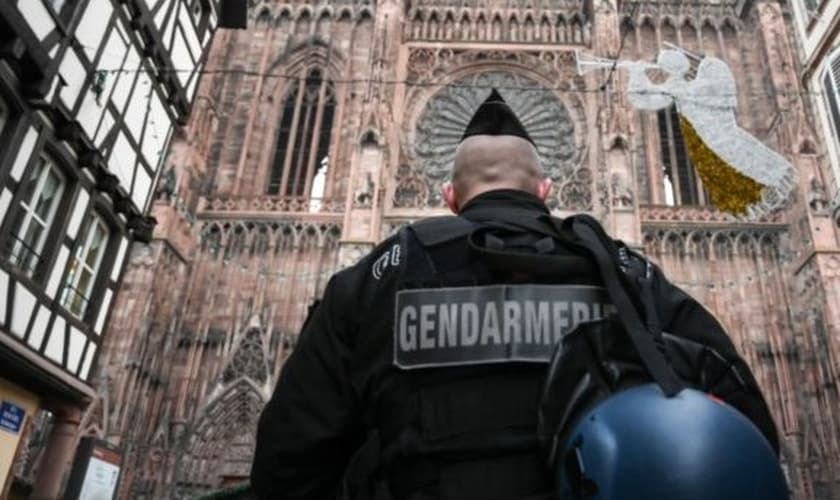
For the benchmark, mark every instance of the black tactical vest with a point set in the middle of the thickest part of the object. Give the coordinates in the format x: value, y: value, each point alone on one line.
x: 457, y: 418
x: 451, y: 416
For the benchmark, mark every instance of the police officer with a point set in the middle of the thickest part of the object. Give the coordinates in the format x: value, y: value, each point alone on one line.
x: 418, y: 375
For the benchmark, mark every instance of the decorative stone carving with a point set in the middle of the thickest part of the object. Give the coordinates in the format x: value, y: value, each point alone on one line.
x: 390, y: 227
x: 267, y: 203
x: 516, y: 21
x: 718, y: 242
x: 817, y: 197
x: 691, y: 214
x: 248, y: 359
x: 575, y: 192
x: 447, y: 113
x: 363, y: 197
x: 622, y: 193
x: 680, y: 10
x: 351, y: 253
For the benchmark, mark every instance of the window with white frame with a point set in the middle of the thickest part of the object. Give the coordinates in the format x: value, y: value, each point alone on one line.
x: 34, y: 215
x: 63, y: 9
x: 831, y: 87
x: 85, y: 265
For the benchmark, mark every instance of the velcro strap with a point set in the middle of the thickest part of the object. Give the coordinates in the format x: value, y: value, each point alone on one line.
x: 566, y: 266
x: 594, y: 238
x: 437, y: 230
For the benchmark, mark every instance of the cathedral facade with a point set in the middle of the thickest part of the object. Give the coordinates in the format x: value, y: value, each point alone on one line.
x: 327, y: 126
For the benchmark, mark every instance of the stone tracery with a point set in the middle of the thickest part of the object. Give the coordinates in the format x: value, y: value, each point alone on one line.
x: 557, y: 132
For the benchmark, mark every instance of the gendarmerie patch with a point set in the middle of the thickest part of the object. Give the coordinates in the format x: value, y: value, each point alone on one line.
x: 490, y: 324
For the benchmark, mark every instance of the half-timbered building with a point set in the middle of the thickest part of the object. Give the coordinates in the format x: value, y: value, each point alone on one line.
x: 90, y: 93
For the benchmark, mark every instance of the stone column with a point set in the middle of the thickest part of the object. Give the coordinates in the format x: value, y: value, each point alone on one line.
x: 58, y: 454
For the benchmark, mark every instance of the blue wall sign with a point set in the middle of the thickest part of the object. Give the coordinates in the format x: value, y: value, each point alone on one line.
x: 11, y: 416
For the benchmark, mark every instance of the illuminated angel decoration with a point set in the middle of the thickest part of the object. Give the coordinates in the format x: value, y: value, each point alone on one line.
x: 742, y: 175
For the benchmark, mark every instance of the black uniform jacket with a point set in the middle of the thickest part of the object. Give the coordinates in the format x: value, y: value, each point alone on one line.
x: 315, y: 420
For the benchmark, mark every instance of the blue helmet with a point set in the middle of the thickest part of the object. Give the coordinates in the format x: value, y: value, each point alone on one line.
x: 640, y: 445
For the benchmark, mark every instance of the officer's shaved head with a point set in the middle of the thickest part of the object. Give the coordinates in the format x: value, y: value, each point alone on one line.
x: 487, y: 162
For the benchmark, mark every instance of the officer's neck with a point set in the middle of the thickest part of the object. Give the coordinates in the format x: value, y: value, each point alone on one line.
x: 503, y: 198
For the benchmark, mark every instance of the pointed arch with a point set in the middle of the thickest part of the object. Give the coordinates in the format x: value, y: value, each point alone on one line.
x: 303, y: 23
x: 699, y: 244
x: 627, y: 28
x: 577, y: 29
x: 417, y: 24
x: 709, y: 34
x: 432, y: 26
x: 513, y: 29
x: 497, y: 27
x: 263, y: 20
x: 284, y: 20
x: 467, y: 27
x: 369, y: 138
x: 236, y: 241
x: 211, y: 238
x: 807, y: 147
x: 745, y: 245
x: 529, y: 31
x: 673, y: 243
x: 722, y: 245
x: 561, y: 30
x: 221, y: 442
x: 448, y: 30
x: 768, y: 243
x: 481, y: 27
x: 546, y: 33
x: 322, y: 27
x: 303, y: 134
x: 690, y: 35
x: 366, y: 14
x: 249, y: 357
x: 648, y: 43
x: 668, y: 30
x: 260, y: 242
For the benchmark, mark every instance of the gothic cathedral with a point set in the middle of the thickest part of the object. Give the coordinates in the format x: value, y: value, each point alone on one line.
x: 326, y: 126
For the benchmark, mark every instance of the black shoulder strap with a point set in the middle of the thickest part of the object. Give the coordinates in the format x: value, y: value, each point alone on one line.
x: 540, y: 263
x: 437, y: 230
x: 428, y: 257
x: 592, y: 237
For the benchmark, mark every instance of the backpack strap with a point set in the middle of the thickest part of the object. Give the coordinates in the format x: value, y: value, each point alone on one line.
x: 605, y: 252
x: 439, y: 230
x: 436, y: 253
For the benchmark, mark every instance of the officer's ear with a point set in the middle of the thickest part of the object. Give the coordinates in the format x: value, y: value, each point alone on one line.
x: 449, y: 197
x: 543, y: 188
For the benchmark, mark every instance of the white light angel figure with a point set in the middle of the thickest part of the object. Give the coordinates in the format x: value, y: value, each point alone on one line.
x: 742, y: 175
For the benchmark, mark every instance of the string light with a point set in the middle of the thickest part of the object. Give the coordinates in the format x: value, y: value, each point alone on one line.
x: 417, y: 83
